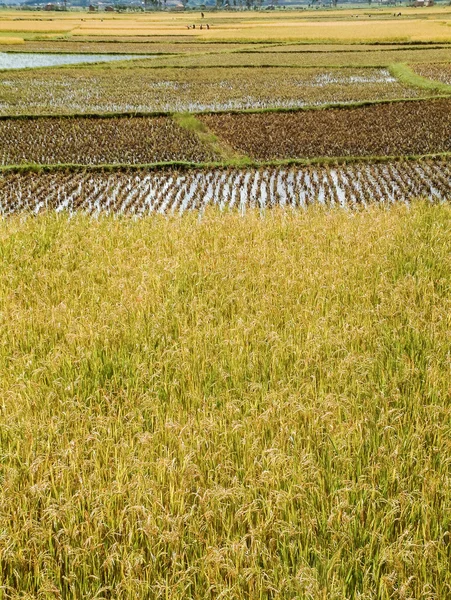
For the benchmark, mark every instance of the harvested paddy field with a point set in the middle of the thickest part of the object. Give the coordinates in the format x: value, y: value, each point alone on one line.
x: 438, y: 72
x: 142, y: 192
x: 398, y: 128
x: 91, y: 141
x: 101, y: 89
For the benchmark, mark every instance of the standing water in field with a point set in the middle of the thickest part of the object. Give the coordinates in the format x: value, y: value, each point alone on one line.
x: 27, y: 60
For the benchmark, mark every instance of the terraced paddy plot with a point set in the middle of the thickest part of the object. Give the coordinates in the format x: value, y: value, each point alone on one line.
x: 24, y: 60
x: 438, y: 71
x: 142, y: 192
x: 112, y: 46
x: 91, y: 141
x: 308, y: 58
x: 388, y: 129
x: 111, y: 89
x: 369, y: 29
x: 277, y: 26
x: 331, y: 48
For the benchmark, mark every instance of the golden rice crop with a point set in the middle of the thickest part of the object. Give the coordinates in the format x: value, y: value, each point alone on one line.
x: 140, y: 192
x: 7, y: 41
x: 381, y: 129
x: 94, y: 140
x: 314, y: 30
x: 306, y: 56
x: 239, y: 408
x: 299, y: 25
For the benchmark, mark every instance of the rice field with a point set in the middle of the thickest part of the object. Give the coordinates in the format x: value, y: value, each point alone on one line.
x: 334, y: 26
x: 135, y: 46
x: 438, y: 71
x: 140, y: 192
x: 308, y: 57
x: 235, y: 407
x: 91, y: 141
x: 32, y: 60
x: 226, y: 376
x: 400, y: 128
x: 92, y: 89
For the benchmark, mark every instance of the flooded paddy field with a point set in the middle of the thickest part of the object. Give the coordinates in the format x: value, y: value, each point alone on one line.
x: 31, y: 60
x: 142, y: 192
x: 110, y: 88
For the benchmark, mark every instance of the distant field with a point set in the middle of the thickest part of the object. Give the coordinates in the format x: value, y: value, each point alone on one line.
x: 342, y: 26
x: 310, y: 58
x: 140, y: 46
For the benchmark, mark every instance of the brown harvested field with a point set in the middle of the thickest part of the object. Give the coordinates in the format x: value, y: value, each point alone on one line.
x: 98, y: 141
x: 144, y: 45
x: 438, y: 72
x: 399, y: 128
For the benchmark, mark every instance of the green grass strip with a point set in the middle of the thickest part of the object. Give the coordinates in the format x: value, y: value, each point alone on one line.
x: 189, y: 122
x: 404, y: 74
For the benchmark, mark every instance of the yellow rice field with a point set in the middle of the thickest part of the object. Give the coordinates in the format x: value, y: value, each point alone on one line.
x: 225, y: 381
x: 243, y: 408
x: 340, y: 26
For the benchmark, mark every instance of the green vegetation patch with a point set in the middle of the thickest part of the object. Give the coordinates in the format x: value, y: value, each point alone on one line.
x: 219, y: 148
x: 408, y: 76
